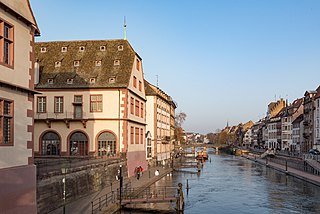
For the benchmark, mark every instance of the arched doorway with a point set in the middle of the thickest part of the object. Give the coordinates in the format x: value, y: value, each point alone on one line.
x: 107, y: 144
x: 50, y: 144
x: 78, y: 144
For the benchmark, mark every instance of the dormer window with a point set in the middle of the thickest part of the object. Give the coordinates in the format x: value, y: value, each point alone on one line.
x: 98, y: 62
x: 43, y: 49
x: 82, y: 48
x: 50, y: 81
x: 102, y: 48
x: 76, y: 63
x: 92, y: 80
x: 112, y: 80
x: 116, y: 62
x: 69, y: 81
x: 57, y: 64
x: 64, y: 49
x: 120, y: 48
x: 138, y: 64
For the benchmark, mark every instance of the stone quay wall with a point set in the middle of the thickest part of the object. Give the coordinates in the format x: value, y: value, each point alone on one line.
x: 81, y: 179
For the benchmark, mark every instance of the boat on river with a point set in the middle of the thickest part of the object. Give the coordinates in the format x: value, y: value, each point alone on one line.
x: 202, y: 155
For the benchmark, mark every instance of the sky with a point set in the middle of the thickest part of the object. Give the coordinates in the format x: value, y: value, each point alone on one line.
x: 220, y: 60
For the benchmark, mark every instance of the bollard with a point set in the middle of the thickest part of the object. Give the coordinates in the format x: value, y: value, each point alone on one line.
x: 286, y: 167
x: 180, y: 200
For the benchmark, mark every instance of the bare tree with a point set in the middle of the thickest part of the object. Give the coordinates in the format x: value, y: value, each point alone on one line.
x: 180, y: 118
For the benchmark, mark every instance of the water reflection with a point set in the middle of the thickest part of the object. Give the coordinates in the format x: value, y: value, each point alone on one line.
x: 235, y: 185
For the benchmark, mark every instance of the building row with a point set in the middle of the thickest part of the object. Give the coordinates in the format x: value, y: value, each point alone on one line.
x: 293, y: 127
x: 72, y: 99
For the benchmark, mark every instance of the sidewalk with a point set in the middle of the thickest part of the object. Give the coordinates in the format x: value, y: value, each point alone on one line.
x: 83, y: 205
x: 314, y: 179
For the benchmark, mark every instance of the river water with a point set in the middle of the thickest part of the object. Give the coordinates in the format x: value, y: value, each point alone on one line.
x: 230, y: 184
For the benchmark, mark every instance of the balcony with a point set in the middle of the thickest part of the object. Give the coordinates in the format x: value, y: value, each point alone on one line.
x: 67, y: 117
x: 305, y: 123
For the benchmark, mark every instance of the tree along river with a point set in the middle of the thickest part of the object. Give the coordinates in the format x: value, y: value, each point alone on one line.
x: 230, y: 184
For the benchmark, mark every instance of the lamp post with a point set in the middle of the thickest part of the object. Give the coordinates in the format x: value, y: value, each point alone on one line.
x: 64, y: 172
x: 121, y: 184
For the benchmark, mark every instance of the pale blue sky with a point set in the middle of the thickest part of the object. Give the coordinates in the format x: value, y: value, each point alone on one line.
x: 220, y: 60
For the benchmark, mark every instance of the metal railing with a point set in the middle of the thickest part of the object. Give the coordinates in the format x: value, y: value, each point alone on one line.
x: 61, y: 116
x: 103, y: 201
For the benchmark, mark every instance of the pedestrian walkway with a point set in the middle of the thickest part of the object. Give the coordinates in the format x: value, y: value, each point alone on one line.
x: 314, y: 179
x: 83, y: 205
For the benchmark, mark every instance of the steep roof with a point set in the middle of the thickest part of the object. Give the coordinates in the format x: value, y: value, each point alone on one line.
x: 149, y: 89
x: 298, y: 119
x: 106, y: 51
x: 23, y: 9
x: 318, y: 93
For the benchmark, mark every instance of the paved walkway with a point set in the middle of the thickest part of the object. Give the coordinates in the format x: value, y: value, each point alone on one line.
x: 314, y: 179
x: 83, y: 205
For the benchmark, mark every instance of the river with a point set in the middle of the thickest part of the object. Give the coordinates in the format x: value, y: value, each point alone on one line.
x: 230, y: 184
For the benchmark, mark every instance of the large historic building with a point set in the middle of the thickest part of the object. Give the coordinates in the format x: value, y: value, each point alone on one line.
x: 92, y: 101
x: 160, y: 125
x: 17, y: 171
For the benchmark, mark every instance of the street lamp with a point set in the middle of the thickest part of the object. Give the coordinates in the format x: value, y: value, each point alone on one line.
x: 64, y: 172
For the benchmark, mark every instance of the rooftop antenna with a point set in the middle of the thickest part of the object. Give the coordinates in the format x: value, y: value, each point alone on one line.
x: 125, y: 29
x: 157, y: 81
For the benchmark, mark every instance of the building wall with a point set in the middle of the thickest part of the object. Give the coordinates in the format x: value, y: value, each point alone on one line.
x: 317, y: 124
x: 17, y: 172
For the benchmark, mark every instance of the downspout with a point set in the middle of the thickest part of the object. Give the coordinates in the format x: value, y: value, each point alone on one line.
x: 119, y: 121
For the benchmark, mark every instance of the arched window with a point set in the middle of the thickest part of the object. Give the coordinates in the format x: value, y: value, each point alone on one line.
x: 78, y: 144
x: 107, y: 144
x: 50, y: 143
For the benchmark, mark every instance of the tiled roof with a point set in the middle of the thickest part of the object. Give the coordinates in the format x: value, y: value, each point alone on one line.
x: 87, y: 74
x: 21, y: 7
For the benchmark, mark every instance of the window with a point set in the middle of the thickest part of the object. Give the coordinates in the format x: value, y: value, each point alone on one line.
x: 116, y: 62
x: 140, y: 86
x: 142, y: 113
x: 120, y: 48
x: 6, y: 43
x: 137, y: 136
x: 92, y: 80
x: 50, y: 144
x: 43, y: 49
x: 69, y: 81
x: 137, y: 107
x: 96, y: 103
x: 6, y: 122
x: 138, y: 64
x: 64, y: 49
x: 132, y: 135
x: 149, y: 153
x: 98, y: 62
x: 132, y: 105
x: 102, y: 48
x: 141, y: 136
x: 106, y: 144
x: 82, y: 48
x: 42, y: 104
x: 58, y: 104
x: 134, y: 81
x: 57, y: 64
x: 112, y: 80
x: 50, y: 81
x: 76, y: 63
